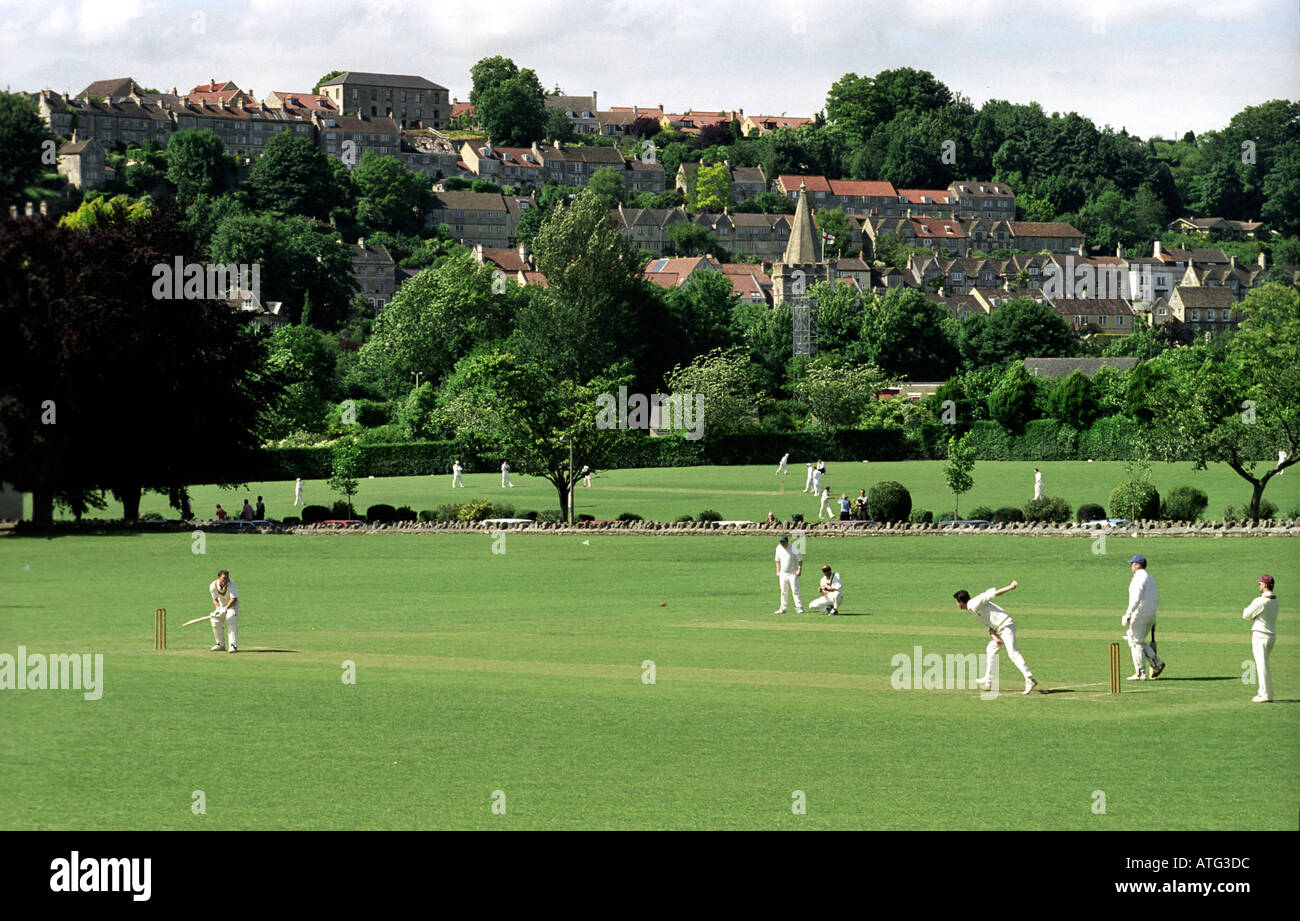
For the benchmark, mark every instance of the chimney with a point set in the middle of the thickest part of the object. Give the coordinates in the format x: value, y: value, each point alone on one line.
x: 636, y: 113
x: 1232, y: 262
x: 1263, y: 261
x: 1155, y: 249
x: 1119, y: 250
x: 593, y: 102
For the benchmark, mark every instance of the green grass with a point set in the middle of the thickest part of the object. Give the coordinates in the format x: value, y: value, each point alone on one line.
x: 522, y: 672
x: 751, y: 492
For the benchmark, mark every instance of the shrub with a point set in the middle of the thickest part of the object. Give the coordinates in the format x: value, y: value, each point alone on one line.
x: 1185, y: 503
x: 291, y: 522
x: 921, y: 516
x: 1134, y: 500
x: 685, y: 519
x: 530, y: 515
x: 446, y: 512
x: 428, y: 514
x: 709, y: 515
x: 475, y: 511
x: 1266, y: 510
x: 314, y: 513
x: 1048, y: 508
x: 151, y: 516
x: 549, y: 516
x: 889, y: 501
x: 1090, y: 511
x: 502, y: 510
x: 1007, y: 514
x: 404, y: 513
x: 630, y: 516
x: 982, y: 513
x: 582, y: 518
x: 381, y: 512
x: 341, y: 510
x: 796, y: 518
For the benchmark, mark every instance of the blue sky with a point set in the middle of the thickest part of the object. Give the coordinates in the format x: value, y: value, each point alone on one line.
x: 1152, y: 66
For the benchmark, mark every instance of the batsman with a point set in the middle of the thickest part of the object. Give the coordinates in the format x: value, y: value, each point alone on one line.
x: 225, y: 611
x: 1140, y: 620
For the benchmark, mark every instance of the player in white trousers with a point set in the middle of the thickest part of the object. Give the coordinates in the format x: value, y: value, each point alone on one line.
x: 297, y: 493
x: 830, y: 591
x: 586, y: 476
x: 808, y: 483
x: 789, y: 566
x: 1140, y: 619
x: 225, y: 612
x: 826, y: 504
x: 1001, y: 628
x: 819, y: 471
x: 781, y: 469
x: 456, y: 469
x: 505, y: 476
x: 1038, y: 483
x: 1262, y: 613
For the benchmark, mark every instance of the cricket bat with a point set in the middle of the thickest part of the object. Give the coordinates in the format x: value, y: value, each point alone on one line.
x: 195, y: 620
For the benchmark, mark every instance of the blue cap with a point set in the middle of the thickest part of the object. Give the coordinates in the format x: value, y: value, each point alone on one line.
x: 1139, y: 559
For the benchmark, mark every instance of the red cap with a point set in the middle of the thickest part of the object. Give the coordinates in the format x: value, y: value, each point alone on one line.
x: 1265, y: 580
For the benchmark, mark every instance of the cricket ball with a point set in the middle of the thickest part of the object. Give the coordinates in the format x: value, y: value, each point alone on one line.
x: 663, y: 604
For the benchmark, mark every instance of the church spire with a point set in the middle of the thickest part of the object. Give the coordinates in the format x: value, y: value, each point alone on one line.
x: 802, y: 249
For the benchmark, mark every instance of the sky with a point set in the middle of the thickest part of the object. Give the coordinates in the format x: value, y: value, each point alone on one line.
x: 1154, y: 67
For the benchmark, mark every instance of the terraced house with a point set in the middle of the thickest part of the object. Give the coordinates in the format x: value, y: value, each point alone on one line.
x: 410, y: 101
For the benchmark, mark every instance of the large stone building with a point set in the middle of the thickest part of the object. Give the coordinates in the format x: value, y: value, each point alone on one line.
x: 374, y: 272
x: 410, y: 101
x: 83, y: 163
x: 486, y: 218
x: 580, y: 110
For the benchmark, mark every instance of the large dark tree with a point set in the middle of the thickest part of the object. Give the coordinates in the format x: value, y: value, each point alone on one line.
x: 292, y: 175
x: 23, y: 138
x: 104, y: 385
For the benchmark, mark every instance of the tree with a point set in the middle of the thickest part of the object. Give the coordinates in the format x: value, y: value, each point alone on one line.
x: 961, y: 461
x: 1240, y: 405
x: 516, y: 408
x: 713, y: 135
x: 909, y: 337
x: 293, y: 176
x: 512, y: 110
x: 1073, y: 401
x: 643, y: 126
x: 529, y: 223
x: 732, y: 393
x: 345, y: 467
x: 92, y: 357
x: 488, y: 73
x: 196, y: 163
x: 325, y: 79
x: 833, y: 221
x: 435, y: 320
x: 700, y: 313
x: 690, y: 239
x: 1020, y: 328
x: 28, y: 146
x: 390, y: 196
x: 303, y: 361
x: 838, y: 393
x: 607, y: 185
x: 557, y: 126
x: 713, y: 187
x: 1012, y: 402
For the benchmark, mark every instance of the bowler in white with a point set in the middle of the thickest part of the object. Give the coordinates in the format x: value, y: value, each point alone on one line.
x: 781, y: 468
x: 830, y: 592
x: 505, y: 476
x: 225, y: 611
x: 456, y: 470
x: 1262, y: 614
x: 1140, y: 619
x: 789, y: 566
x: 1001, y: 628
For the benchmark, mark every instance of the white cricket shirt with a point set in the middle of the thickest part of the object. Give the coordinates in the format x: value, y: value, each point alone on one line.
x: 982, y: 608
x: 789, y: 559
x: 1263, y: 612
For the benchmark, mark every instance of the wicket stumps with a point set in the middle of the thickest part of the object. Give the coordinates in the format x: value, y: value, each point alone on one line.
x: 1116, y: 679
x: 160, y: 628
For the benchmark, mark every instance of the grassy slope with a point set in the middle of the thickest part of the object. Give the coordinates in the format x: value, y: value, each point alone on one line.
x: 751, y: 492
x: 522, y: 672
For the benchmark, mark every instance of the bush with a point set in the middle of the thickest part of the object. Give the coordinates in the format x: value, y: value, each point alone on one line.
x: 404, y: 513
x: 291, y: 522
x: 796, y: 518
x: 381, y: 512
x: 1048, y: 508
x: 582, y: 518
x: 428, y: 514
x: 1135, y: 500
x: 982, y: 513
x: 889, y: 501
x: 708, y: 515
x: 476, y: 511
x: 151, y: 516
x: 341, y: 510
x: 1007, y: 514
x: 549, y: 516
x: 1090, y: 511
x: 530, y: 515
x: 314, y: 513
x: 921, y: 516
x: 630, y: 516
x: 685, y: 519
x: 1266, y: 510
x: 1185, y: 503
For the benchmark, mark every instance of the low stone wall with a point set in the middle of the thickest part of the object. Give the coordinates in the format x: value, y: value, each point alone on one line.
x: 1214, y: 529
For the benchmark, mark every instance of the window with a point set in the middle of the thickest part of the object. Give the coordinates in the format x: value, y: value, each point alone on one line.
x: 1119, y: 321
x: 1209, y: 314
x: 1196, y: 314
x: 1101, y: 320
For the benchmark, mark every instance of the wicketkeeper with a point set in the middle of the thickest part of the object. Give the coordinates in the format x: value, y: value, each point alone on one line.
x: 225, y: 611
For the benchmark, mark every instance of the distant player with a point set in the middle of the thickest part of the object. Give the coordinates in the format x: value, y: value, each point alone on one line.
x: 260, y: 510
x: 1038, y: 483
x: 1140, y: 619
x: 831, y: 591
x: 456, y: 469
x: 297, y: 493
x: 586, y: 476
x: 781, y: 468
x: 1001, y: 628
x: 1262, y: 613
x: 789, y: 566
x: 505, y: 476
x: 808, y: 483
x: 225, y: 611
x: 826, y: 505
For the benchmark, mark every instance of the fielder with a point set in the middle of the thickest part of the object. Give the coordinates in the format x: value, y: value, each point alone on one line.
x: 586, y: 477
x: 808, y: 483
x: 1001, y: 628
x: 225, y: 607
x: 297, y: 493
x: 505, y: 476
x: 1140, y: 619
x: 818, y: 472
x: 831, y: 591
x: 1262, y: 613
x: 781, y: 469
x: 1038, y: 483
x: 826, y: 504
x: 456, y: 470
x: 789, y: 566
